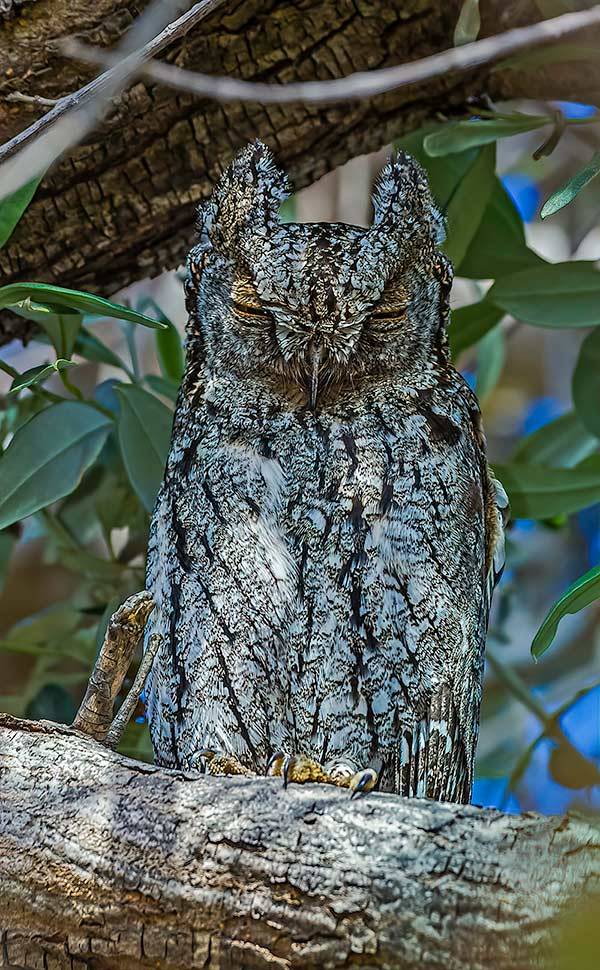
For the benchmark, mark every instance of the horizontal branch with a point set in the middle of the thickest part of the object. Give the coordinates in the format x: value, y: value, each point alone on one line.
x: 121, y: 207
x: 109, y: 863
x: 74, y: 115
x: 365, y: 84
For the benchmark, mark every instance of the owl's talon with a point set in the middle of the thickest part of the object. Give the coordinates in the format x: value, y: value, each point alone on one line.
x: 298, y: 769
x: 215, y: 762
x: 275, y: 764
x: 363, y: 782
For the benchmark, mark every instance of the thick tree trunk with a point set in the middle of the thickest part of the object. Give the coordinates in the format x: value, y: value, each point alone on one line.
x: 121, y: 207
x: 109, y: 863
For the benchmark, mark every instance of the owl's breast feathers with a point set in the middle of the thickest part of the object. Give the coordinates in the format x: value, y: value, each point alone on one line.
x: 323, y: 577
x: 337, y: 566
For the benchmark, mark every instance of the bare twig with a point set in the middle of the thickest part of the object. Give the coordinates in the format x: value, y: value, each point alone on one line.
x: 76, y: 114
x: 127, y: 708
x: 35, y: 99
x: 355, y: 86
x: 123, y: 634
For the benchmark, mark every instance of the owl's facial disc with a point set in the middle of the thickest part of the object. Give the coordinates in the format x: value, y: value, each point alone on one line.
x: 317, y: 310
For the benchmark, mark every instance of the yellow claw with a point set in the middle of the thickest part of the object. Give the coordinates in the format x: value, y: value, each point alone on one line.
x: 299, y: 769
x: 363, y: 782
x: 221, y: 763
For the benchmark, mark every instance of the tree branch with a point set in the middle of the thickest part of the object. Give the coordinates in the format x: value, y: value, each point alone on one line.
x: 121, y: 206
x: 356, y: 86
x: 76, y: 114
x: 123, y: 634
x: 128, y: 706
x: 109, y: 863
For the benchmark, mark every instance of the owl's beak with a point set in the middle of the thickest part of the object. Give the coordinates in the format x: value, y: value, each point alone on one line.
x: 315, y: 359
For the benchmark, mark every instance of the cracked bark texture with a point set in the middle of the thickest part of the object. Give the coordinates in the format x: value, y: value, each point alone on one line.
x: 121, y: 206
x: 110, y: 863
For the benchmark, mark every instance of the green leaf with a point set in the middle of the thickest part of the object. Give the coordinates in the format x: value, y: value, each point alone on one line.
x: 117, y: 506
x: 7, y: 543
x: 470, y: 323
x: 468, y: 203
x: 468, y: 24
x: 13, y: 206
x: 144, y: 435
x: 169, y: 347
x: 46, y: 628
x: 538, y: 492
x: 42, y: 314
x: 47, y: 457
x: 106, y: 395
x: 498, y: 247
x: 551, y: 295
x: 60, y: 329
x: 581, y: 593
x: 586, y: 383
x: 57, y: 300
x: 85, y: 564
x: 136, y: 743
x: 52, y: 703
x: 37, y: 375
x: 551, y: 141
x: 469, y: 134
x: 160, y: 385
x: 169, y: 351
x: 490, y: 362
x: 572, y: 188
x: 561, y: 443
x: 87, y: 345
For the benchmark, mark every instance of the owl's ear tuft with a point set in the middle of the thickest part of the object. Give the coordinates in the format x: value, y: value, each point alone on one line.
x: 205, y: 216
x: 247, y: 197
x: 403, y: 202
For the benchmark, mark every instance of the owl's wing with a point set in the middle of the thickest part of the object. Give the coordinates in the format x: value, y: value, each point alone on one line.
x: 438, y: 752
x: 497, y: 516
x: 496, y: 513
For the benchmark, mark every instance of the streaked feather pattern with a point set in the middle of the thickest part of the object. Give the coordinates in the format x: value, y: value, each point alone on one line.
x: 323, y: 573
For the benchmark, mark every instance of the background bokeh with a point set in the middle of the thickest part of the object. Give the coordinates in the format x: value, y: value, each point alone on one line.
x: 523, y: 384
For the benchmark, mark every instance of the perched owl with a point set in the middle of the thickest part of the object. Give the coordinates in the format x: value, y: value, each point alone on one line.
x: 327, y: 536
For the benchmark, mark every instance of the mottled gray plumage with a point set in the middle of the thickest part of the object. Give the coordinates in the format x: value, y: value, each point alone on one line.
x: 322, y: 549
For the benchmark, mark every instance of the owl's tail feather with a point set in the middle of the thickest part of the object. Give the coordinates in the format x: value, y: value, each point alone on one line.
x: 433, y: 760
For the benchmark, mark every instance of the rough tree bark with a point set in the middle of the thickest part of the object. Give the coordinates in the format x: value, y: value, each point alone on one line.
x: 110, y: 863
x: 121, y: 206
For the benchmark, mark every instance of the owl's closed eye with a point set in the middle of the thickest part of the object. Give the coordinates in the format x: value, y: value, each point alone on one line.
x: 320, y: 308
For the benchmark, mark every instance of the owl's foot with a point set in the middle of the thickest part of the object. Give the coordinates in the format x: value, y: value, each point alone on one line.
x: 220, y: 763
x: 363, y: 781
x: 299, y: 769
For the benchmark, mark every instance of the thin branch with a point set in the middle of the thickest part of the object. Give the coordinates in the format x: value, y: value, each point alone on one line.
x: 74, y: 115
x: 35, y: 99
x: 127, y: 708
x: 123, y: 634
x: 355, y: 86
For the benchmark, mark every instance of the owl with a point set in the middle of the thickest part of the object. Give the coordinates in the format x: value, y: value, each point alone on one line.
x: 327, y: 536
